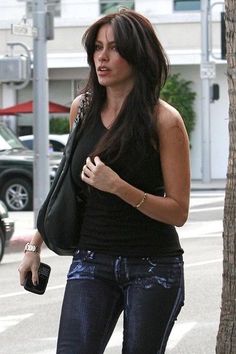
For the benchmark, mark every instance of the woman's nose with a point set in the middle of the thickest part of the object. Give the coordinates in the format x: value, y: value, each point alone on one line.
x: 103, y: 55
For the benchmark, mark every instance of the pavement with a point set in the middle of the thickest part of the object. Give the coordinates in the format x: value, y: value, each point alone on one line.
x: 24, y: 221
x: 216, y: 184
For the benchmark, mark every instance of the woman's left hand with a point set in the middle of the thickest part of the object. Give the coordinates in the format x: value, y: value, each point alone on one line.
x: 100, y: 176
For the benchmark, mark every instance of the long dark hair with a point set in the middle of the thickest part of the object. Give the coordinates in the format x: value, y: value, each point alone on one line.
x: 138, y: 44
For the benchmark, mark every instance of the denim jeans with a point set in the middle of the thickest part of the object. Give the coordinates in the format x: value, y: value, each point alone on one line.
x: 150, y: 291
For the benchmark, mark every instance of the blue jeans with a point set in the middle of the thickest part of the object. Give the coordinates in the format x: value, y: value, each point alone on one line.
x: 150, y: 291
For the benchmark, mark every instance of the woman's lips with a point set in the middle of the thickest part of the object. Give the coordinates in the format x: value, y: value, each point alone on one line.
x: 103, y: 70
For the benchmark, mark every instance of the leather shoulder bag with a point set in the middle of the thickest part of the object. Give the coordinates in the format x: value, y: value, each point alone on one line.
x: 60, y: 217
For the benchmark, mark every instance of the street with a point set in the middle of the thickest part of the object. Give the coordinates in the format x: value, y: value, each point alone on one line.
x: 29, y: 323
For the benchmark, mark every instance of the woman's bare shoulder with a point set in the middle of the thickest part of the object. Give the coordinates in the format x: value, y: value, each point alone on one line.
x: 75, y: 103
x: 170, y: 124
x: 167, y: 116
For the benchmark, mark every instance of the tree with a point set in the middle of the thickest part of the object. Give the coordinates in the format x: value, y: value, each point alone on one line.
x: 177, y: 92
x: 226, y: 338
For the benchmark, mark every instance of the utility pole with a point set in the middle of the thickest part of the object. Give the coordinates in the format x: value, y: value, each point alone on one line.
x: 207, y: 72
x: 41, y: 118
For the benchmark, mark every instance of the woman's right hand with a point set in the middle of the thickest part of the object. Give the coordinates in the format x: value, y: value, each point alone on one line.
x: 30, y: 263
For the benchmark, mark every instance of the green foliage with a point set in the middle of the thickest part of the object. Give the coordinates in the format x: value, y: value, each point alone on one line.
x: 177, y: 92
x: 59, y: 125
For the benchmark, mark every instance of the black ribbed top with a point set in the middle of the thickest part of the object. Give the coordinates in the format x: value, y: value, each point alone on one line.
x: 112, y: 226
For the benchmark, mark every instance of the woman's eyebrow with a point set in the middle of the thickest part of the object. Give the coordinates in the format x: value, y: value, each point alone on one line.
x: 109, y: 42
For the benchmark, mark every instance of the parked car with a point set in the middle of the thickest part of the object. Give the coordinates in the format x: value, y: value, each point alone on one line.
x: 7, y: 227
x: 57, y: 142
x: 16, y: 171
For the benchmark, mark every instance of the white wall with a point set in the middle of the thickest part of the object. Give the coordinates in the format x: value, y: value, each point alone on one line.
x: 79, y: 8
x: 154, y: 7
x: 219, y: 127
x: 11, y: 9
x: 89, y: 9
x: 218, y: 123
x: 191, y: 73
x: 8, y: 99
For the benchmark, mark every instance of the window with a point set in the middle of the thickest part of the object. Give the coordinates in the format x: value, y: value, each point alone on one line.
x: 29, y: 144
x: 53, y: 6
x: 186, y: 5
x: 56, y: 145
x: 108, y: 6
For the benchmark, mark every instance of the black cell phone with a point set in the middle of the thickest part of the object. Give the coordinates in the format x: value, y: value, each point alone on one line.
x: 44, y: 272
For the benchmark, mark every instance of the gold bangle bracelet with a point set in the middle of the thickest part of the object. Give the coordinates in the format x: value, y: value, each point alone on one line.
x: 141, y: 201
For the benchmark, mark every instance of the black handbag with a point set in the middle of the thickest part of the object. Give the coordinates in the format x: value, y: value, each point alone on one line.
x: 60, y: 217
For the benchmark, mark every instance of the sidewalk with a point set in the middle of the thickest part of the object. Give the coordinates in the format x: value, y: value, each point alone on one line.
x: 217, y: 184
x: 24, y: 230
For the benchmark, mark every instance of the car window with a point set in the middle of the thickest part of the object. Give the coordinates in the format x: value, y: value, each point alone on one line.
x: 3, y: 144
x: 56, y: 145
x: 10, y: 138
x: 29, y: 144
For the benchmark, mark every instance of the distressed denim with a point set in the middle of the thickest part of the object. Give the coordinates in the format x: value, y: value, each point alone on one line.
x: 149, y: 291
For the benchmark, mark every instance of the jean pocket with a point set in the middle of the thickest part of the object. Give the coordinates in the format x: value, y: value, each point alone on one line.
x: 81, y: 269
x: 168, y: 275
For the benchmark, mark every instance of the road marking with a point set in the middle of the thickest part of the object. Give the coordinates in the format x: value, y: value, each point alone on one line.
x: 46, y: 352
x: 9, y: 321
x: 19, y: 293
x: 15, y: 257
x: 198, y: 210
x: 194, y: 229
x: 178, y: 332
x: 210, y: 195
x: 3, y: 296
x: 116, y: 339
x: 204, y: 201
x: 203, y: 263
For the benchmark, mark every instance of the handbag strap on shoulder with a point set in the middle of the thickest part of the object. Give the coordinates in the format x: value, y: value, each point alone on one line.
x: 82, y: 109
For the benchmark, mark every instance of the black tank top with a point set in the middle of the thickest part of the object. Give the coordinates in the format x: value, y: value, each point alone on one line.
x: 112, y: 226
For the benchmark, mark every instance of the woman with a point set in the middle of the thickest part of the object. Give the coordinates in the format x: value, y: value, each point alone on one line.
x: 132, y: 162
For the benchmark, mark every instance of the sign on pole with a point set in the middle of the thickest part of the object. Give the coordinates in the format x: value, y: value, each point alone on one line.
x: 24, y: 30
x: 208, y: 70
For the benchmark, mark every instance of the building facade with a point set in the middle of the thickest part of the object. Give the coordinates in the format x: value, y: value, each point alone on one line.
x: 178, y: 26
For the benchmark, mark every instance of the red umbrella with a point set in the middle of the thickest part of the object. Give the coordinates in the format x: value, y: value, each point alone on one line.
x: 27, y: 107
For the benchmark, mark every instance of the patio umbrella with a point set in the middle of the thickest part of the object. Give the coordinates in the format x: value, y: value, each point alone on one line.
x: 27, y: 107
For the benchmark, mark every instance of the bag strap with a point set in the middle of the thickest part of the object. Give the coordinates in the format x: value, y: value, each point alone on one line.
x: 82, y: 109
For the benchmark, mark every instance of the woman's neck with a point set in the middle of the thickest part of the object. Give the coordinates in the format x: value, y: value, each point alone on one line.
x: 115, y: 99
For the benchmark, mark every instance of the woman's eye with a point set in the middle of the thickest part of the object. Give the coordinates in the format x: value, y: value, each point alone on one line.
x: 114, y: 48
x: 98, y: 47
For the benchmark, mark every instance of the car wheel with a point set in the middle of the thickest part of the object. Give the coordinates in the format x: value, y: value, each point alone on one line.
x: 17, y: 194
x: 2, y: 243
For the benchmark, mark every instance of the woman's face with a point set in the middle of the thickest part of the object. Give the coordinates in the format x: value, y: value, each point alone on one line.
x: 112, y: 70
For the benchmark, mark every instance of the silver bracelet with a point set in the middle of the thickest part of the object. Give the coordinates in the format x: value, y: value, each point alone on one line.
x: 141, y: 201
x: 31, y: 248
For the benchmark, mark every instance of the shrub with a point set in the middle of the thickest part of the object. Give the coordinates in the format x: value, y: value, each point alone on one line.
x: 59, y: 125
x: 178, y: 93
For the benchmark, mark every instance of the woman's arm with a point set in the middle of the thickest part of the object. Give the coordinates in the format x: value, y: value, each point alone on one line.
x: 174, y: 152
x: 31, y: 260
